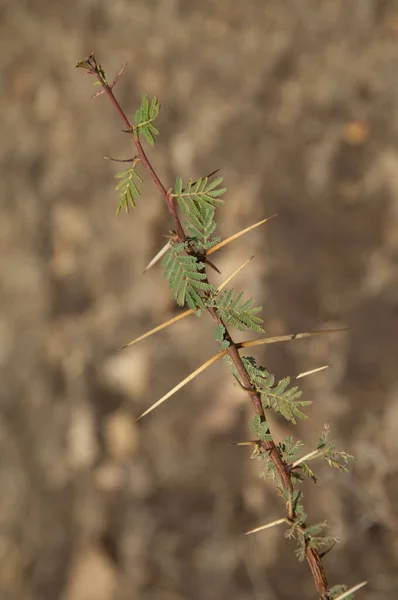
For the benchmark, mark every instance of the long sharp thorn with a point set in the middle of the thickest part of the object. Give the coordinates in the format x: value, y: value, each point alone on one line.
x: 122, y: 160
x: 184, y: 382
x: 312, y: 372
x: 310, y: 456
x: 237, y: 235
x: 234, y: 274
x: 352, y: 590
x: 287, y: 338
x: 249, y: 443
x: 268, y: 526
x: 158, y: 256
x: 160, y: 327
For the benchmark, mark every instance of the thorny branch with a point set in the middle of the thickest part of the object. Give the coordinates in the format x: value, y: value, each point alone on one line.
x: 284, y: 470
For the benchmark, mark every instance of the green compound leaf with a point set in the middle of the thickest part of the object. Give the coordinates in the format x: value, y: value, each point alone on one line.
x: 178, y: 188
x: 260, y: 428
x: 308, y: 472
x: 240, y: 313
x: 270, y: 472
x: 335, y: 458
x: 186, y: 277
x: 198, y: 202
x: 254, y: 424
x: 220, y: 331
x: 127, y: 188
x: 308, y: 536
x: 201, y: 227
x: 300, y: 550
x: 198, y: 195
x: 144, y: 118
x: 320, y: 542
x: 290, y: 450
x: 259, y: 375
x: 284, y: 400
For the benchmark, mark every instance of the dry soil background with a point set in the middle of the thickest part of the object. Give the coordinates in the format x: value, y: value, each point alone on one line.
x: 296, y: 102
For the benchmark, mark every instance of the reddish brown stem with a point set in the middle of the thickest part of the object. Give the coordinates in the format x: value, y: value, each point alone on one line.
x: 140, y: 150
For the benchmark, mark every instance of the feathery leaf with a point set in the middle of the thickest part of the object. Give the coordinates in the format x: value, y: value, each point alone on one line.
x: 144, y: 118
x: 186, y: 277
x: 241, y: 314
x: 128, y: 188
x: 200, y: 195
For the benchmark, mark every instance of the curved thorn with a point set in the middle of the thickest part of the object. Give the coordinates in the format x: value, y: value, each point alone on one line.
x: 250, y: 390
x: 322, y: 554
x: 212, y: 265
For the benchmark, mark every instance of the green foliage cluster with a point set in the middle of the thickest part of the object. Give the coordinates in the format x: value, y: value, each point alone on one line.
x: 240, y: 313
x: 290, y: 451
x: 336, y: 459
x: 186, y: 276
x: 198, y: 196
x: 278, y: 396
x: 198, y: 202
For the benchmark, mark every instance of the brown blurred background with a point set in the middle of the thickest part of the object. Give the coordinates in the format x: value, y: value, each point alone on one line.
x: 296, y: 103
